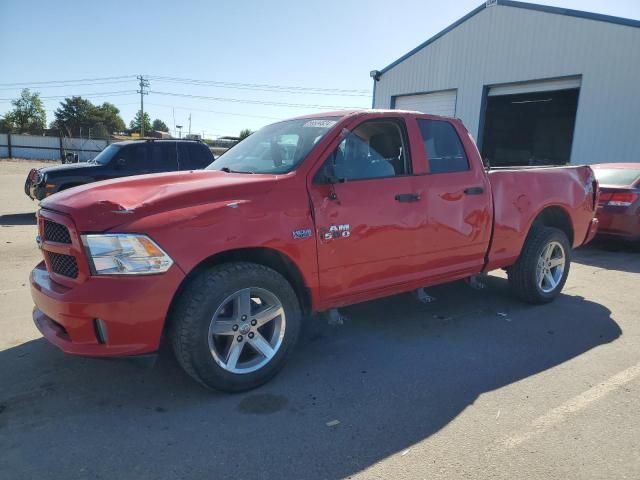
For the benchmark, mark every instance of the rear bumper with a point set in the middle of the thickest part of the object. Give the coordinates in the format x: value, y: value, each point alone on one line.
x: 132, y: 311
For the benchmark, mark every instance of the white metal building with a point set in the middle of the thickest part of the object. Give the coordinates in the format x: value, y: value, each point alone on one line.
x: 534, y: 84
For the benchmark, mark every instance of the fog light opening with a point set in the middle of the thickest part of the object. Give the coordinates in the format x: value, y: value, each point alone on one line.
x: 101, y: 331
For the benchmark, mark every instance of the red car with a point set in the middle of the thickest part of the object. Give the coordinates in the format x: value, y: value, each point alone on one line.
x: 305, y: 215
x: 619, y: 203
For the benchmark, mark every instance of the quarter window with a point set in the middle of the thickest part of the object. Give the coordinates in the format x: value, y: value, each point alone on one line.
x: 193, y: 156
x: 199, y: 157
x: 443, y: 146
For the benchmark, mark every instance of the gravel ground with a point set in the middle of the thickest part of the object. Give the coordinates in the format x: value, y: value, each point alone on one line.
x: 474, y: 385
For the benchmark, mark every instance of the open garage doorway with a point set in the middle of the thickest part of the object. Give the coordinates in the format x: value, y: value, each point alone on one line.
x: 532, y: 128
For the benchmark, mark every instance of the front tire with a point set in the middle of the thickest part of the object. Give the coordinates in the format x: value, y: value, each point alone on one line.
x: 543, y: 266
x: 235, y: 325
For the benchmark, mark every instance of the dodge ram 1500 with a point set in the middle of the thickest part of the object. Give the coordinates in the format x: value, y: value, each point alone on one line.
x: 305, y: 215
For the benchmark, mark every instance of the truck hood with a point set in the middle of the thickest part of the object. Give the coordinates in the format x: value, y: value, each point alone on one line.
x: 77, y: 168
x: 101, y: 206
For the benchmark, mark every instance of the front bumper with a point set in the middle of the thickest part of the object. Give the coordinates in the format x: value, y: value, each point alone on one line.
x: 32, y: 190
x: 39, y: 191
x: 132, y: 309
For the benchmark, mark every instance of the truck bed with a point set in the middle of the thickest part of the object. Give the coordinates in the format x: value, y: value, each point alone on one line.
x: 519, y: 195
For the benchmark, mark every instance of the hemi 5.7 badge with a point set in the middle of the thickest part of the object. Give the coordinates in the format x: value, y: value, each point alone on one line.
x: 301, y: 234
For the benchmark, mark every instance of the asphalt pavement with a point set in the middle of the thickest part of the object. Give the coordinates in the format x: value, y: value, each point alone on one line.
x: 473, y: 385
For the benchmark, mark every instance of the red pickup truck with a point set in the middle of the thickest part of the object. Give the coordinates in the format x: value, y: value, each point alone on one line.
x: 304, y: 216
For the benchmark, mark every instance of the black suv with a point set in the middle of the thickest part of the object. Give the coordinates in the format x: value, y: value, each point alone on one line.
x: 122, y: 159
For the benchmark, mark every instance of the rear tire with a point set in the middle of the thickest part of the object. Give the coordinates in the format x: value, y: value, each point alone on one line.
x: 235, y: 325
x: 543, y: 266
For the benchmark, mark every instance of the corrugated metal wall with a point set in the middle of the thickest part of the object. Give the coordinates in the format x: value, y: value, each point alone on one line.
x: 503, y: 44
x: 48, y: 148
x: 4, y: 151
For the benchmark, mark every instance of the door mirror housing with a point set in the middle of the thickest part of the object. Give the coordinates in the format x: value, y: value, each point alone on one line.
x: 121, y: 163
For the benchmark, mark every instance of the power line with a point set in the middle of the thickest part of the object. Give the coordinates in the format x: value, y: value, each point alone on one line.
x: 66, y: 81
x: 215, y: 111
x: 254, y: 102
x: 94, y: 94
x: 261, y: 85
x: 266, y: 87
x: 190, y: 81
x: 32, y: 86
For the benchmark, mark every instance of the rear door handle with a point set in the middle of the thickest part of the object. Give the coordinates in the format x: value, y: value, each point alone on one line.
x: 407, y: 197
x: 474, y: 191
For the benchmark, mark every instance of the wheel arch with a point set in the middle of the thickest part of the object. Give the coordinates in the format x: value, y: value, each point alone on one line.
x: 268, y: 257
x: 557, y: 217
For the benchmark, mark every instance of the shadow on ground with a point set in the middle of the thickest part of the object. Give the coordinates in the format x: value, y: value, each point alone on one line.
x: 18, y: 219
x: 610, y: 255
x: 395, y: 373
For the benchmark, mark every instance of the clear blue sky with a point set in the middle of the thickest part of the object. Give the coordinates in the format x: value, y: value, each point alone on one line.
x: 331, y: 44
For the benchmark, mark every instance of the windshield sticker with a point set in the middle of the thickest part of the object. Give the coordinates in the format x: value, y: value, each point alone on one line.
x: 319, y: 124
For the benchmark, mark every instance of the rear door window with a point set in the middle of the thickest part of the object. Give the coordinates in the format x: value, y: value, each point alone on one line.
x: 444, y: 149
x: 164, y: 156
x: 184, y: 158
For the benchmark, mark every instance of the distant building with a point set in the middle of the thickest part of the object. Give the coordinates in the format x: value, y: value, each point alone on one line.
x: 534, y: 84
x: 158, y: 134
x: 222, y: 144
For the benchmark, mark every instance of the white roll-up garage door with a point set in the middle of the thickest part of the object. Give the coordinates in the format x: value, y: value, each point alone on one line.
x: 437, y: 103
x: 565, y: 83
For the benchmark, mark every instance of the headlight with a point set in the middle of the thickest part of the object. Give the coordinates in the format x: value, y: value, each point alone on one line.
x: 125, y: 254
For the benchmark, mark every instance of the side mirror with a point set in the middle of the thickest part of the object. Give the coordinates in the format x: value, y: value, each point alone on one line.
x: 121, y: 163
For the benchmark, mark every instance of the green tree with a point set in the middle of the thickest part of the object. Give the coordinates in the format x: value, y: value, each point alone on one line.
x: 78, y: 116
x: 75, y: 116
x: 110, y: 117
x: 27, y: 116
x: 244, y: 133
x: 160, y: 126
x: 136, y: 123
x: 5, y: 127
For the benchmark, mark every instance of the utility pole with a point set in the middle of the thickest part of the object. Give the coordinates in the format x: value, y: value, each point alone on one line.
x: 189, y: 125
x: 143, y: 84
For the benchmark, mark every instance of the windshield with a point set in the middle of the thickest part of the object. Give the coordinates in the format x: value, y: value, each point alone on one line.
x: 106, y: 155
x: 277, y: 148
x: 617, y: 176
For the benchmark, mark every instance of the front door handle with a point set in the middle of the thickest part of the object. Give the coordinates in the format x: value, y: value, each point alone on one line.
x: 407, y: 197
x: 474, y: 191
